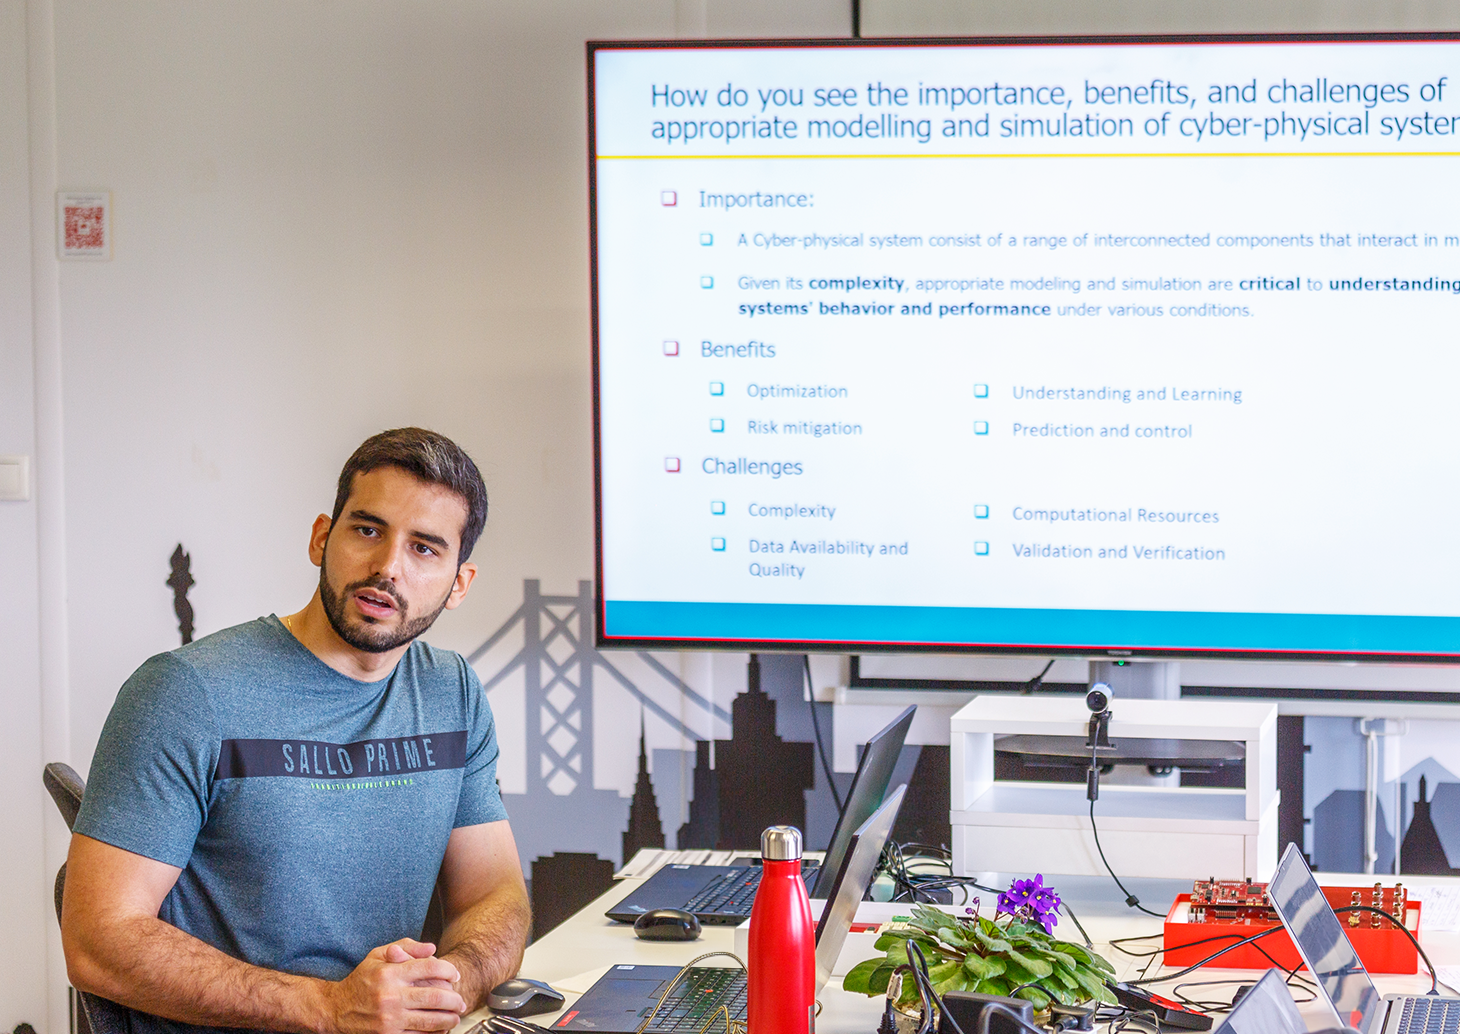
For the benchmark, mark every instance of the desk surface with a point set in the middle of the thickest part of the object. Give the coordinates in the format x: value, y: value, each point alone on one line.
x: 574, y: 954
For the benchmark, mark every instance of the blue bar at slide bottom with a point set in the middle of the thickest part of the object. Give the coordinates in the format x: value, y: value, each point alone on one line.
x: 1008, y: 626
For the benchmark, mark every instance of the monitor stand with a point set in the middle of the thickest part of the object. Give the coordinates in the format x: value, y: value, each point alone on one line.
x: 1139, y: 680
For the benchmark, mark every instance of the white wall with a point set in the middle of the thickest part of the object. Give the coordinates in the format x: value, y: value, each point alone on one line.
x: 25, y: 909
x: 1072, y: 17
x: 330, y: 217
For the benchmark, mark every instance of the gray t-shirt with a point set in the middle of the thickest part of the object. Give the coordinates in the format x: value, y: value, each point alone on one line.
x: 309, y: 812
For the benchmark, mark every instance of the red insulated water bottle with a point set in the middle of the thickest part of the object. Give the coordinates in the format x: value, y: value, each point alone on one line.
x: 782, y: 963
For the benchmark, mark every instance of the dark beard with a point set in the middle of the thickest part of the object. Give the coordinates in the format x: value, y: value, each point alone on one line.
x: 367, y: 637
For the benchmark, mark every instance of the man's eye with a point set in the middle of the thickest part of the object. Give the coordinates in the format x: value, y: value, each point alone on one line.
x: 424, y: 549
x: 365, y: 529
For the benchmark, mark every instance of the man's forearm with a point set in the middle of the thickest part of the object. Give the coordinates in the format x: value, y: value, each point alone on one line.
x: 486, y: 942
x: 154, y: 967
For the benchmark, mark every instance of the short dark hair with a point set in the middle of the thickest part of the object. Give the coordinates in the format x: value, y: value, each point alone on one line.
x: 431, y: 457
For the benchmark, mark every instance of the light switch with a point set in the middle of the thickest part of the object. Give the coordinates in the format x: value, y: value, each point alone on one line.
x: 14, y: 478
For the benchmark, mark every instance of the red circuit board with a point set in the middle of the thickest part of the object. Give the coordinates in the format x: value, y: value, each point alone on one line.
x: 1222, y: 909
x: 1245, y: 902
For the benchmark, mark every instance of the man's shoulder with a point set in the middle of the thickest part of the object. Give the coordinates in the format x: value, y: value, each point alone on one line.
x: 433, y: 662
x: 230, y: 646
x: 240, y: 648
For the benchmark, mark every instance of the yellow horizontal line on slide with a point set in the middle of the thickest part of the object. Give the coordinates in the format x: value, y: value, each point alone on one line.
x: 1080, y: 154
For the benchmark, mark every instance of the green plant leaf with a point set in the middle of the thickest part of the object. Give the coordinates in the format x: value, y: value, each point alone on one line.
x: 859, y: 978
x: 994, y: 986
x: 1035, y: 995
x: 1063, y: 959
x: 1041, y: 968
x: 991, y: 942
x: 897, y: 951
x: 1087, y: 957
x: 981, y: 967
x: 943, y: 971
x: 955, y: 936
x: 1065, y: 975
x: 1017, y: 974
x: 1092, y: 983
x: 1059, y: 994
x: 954, y: 981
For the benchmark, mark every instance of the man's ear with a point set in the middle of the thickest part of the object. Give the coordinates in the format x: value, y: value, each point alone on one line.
x: 464, y: 575
x: 318, y: 536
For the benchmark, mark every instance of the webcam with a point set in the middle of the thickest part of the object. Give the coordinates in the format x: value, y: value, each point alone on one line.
x: 1098, y: 699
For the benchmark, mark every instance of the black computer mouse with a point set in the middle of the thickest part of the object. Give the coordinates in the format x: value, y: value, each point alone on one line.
x: 522, y: 997
x: 667, y: 924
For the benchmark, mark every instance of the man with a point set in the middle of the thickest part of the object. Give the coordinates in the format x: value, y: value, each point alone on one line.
x: 270, y: 807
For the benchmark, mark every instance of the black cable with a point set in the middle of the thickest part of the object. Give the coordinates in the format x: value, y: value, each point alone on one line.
x: 1038, y: 680
x: 816, y: 728
x: 1130, y: 899
x: 1434, y: 978
x: 1078, y: 925
x: 1208, y: 960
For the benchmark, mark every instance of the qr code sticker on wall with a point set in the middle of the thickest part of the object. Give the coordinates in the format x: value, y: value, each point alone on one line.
x: 85, y: 225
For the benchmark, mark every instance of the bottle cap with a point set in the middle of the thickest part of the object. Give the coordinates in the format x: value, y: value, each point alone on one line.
x: 780, y: 844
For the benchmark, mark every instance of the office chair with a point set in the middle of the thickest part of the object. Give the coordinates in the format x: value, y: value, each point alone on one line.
x: 96, y: 1015
x: 99, y: 1015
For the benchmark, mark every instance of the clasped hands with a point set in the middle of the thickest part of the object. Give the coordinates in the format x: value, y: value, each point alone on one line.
x: 401, y: 986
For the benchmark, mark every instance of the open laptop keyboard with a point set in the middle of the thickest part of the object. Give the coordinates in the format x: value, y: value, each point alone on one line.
x: 733, y: 893
x: 696, y: 1000
x: 1430, y: 1016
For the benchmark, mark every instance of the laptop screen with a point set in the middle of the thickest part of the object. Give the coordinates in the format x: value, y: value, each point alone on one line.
x: 869, y: 787
x: 1319, y: 936
x: 851, y: 883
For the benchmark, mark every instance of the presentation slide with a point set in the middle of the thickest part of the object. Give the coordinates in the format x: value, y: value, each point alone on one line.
x: 1145, y: 346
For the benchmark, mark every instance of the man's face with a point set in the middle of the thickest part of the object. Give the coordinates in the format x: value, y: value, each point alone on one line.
x: 388, y: 565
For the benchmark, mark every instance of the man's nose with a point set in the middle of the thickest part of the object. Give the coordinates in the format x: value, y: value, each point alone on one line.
x: 392, y: 556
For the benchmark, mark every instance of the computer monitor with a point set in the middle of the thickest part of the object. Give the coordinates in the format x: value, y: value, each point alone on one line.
x: 869, y: 787
x: 1095, y: 346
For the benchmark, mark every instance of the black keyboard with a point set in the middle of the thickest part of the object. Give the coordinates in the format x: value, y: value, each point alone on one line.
x: 732, y: 893
x: 696, y: 1000
x: 1430, y: 1016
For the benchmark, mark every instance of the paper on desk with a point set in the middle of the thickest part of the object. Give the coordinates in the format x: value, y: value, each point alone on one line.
x: 1449, y: 976
x: 1441, y: 909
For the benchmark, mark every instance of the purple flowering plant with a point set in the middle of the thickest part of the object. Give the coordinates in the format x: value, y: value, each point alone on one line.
x: 1032, y: 901
x: 1014, y: 953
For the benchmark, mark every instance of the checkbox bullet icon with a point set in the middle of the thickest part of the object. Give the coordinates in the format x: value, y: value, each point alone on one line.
x: 717, y: 508
x: 707, y: 282
x: 718, y: 545
x: 671, y: 464
x: 717, y: 425
x: 668, y: 198
x: 717, y: 387
x: 980, y: 427
x: 671, y: 348
x: 980, y: 391
x: 981, y: 549
x: 706, y: 239
x: 981, y: 511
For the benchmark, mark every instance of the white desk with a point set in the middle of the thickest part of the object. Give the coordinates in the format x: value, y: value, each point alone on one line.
x: 571, y: 956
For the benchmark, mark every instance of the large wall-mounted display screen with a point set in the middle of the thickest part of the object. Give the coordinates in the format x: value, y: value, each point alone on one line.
x: 1048, y: 345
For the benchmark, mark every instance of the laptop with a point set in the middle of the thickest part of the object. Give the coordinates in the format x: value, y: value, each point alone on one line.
x: 1266, y: 1009
x: 625, y: 996
x: 1343, y: 983
x: 721, y: 895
